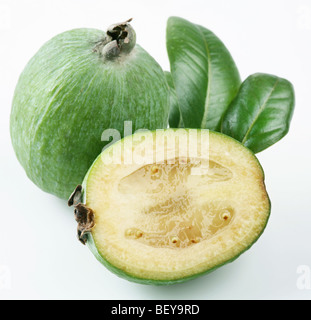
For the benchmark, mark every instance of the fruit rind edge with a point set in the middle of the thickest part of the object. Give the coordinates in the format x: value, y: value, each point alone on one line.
x: 124, y: 275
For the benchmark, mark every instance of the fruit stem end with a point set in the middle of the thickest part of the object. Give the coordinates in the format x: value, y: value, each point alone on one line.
x: 120, y: 40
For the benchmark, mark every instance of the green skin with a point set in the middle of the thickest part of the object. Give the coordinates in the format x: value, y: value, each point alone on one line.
x: 120, y: 273
x: 69, y: 94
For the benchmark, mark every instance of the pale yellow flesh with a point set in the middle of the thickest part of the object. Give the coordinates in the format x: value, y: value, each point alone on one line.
x: 177, y: 216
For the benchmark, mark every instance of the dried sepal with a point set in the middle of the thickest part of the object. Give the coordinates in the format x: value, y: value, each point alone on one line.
x: 76, y: 196
x: 86, y: 221
x: 120, y: 39
x: 83, y: 215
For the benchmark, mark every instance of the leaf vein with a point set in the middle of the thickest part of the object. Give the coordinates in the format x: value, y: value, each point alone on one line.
x: 259, y: 112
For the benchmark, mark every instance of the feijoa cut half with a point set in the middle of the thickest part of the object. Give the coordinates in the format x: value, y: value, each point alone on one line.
x: 166, y: 206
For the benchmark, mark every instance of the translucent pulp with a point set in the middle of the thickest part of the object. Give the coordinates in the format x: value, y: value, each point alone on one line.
x: 172, y: 213
x: 177, y: 220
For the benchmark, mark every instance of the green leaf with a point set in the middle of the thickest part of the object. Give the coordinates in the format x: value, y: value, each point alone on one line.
x: 175, y: 120
x: 260, y: 114
x: 205, y: 76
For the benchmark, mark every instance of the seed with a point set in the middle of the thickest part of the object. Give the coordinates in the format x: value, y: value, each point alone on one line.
x: 226, y: 215
x: 175, y: 239
x: 154, y: 169
x: 139, y: 234
x: 196, y: 240
x: 129, y: 232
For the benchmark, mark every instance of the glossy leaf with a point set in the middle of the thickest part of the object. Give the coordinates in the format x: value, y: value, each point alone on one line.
x: 175, y: 120
x: 260, y: 114
x: 205, y: 76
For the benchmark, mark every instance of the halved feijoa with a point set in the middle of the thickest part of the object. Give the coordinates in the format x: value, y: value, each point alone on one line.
x: 166, y: 206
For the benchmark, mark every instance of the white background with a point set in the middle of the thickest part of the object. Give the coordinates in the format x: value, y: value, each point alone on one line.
x: 40, y: 257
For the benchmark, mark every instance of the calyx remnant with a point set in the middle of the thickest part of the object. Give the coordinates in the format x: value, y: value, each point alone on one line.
x: 83, y: 215
x: 120, y: 39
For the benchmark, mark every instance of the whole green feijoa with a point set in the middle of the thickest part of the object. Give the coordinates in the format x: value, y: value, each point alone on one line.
x: 79, y: 84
